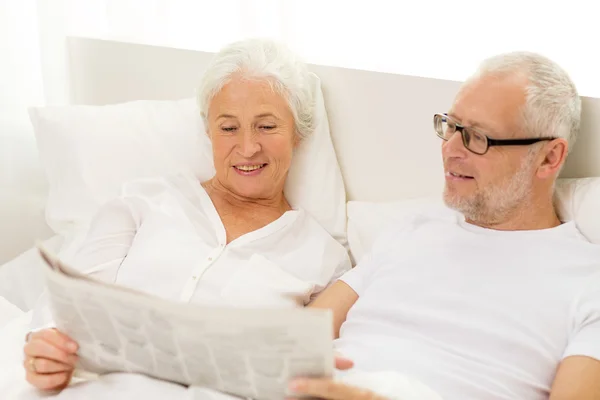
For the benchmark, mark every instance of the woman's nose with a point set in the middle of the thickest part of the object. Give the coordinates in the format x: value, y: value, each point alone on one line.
x: 249, y: 145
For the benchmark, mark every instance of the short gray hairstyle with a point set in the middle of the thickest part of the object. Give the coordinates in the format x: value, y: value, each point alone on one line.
x: 552, y: 106
x: 262, y: 59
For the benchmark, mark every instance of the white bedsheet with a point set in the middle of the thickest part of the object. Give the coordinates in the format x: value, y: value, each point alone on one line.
x: 114, y: 386
x: 21, y: 279
x: 8, y: 311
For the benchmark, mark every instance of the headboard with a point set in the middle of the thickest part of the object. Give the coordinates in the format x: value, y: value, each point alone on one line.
x: 381, y: 123
x: 381, y: 126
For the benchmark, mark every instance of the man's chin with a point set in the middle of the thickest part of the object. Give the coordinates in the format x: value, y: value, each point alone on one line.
x: 458, y: 203
x: 451, y: 200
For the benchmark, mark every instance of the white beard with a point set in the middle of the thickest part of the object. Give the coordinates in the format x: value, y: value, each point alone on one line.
x: 493, y: 204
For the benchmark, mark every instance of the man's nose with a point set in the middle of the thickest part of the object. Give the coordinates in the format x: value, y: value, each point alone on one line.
x: 454, y: 147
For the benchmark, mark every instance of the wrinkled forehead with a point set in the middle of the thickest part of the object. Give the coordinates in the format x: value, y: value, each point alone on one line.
x: 493, y: 104
x: 249, y: 96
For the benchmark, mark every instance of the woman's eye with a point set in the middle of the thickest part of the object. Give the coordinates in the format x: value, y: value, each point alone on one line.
x: 267, y: 127
x: 228, y: 128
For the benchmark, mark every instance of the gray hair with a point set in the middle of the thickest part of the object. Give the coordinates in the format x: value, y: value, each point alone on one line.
x: 262, y: 59
x: 552, y: 106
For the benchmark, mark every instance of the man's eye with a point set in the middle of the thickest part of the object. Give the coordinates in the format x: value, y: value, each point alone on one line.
x: 476, y: 136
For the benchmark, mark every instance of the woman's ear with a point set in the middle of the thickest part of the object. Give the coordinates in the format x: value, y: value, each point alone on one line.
x: 296, y: 140
x: 207, y: 132
x: 555, y: 153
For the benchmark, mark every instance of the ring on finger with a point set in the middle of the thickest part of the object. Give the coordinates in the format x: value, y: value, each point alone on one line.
x: 32, y: 367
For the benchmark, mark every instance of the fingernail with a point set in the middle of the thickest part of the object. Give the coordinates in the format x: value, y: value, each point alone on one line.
x: 72, y: 346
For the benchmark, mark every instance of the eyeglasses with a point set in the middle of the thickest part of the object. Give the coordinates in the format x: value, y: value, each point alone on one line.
x: 473, y: 140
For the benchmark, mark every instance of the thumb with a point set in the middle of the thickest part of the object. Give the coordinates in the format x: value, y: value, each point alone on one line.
x: 342, y: 363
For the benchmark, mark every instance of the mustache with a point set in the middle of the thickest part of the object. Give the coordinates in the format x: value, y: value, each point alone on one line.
x: 457, y: 168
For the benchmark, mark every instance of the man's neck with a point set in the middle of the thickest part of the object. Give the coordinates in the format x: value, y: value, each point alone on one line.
x: 530, y: 215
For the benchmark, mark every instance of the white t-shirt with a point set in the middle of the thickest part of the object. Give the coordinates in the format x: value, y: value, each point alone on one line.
x: 165, y: 237
x: 474, y: 313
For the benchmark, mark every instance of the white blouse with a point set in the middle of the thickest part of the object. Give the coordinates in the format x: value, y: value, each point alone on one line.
x: 164, y: 236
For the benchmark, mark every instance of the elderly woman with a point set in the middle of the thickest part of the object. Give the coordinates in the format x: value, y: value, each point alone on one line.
x: 232, y: 240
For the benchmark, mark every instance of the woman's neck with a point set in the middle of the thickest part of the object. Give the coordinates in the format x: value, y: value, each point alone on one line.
x: 220, y: 194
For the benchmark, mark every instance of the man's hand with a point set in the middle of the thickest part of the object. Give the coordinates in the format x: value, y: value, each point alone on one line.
x: 342, y: 363
x: 329, y: 389
x: 49, y: 359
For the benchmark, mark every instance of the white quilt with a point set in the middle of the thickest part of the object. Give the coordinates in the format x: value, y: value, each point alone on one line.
x: 128, y: 386
x: 8, y: 312
x: 115, y: 386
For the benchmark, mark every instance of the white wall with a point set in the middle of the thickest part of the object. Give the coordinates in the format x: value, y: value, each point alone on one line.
x: 446, y: 39
x: 20, y: 86
x: 21, y: 175
x: 432, y: 38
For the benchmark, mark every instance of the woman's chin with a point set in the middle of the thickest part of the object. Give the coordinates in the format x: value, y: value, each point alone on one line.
x: 251, y: 192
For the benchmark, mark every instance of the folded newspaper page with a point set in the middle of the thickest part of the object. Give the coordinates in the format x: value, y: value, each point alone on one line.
x: 245, y: 352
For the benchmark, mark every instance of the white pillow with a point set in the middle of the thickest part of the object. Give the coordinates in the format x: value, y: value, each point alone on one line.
x: 90, y: 151
x: 366, y: 220
x: 577, y: 199
x: 315, y: 180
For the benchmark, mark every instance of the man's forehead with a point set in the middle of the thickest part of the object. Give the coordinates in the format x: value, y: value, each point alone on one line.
x: 490, y: 103
x: 469, y: 121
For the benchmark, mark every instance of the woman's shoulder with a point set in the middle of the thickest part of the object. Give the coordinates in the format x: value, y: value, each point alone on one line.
x: 159, y: 185
x: 315, y: 245
x: 308, y: 226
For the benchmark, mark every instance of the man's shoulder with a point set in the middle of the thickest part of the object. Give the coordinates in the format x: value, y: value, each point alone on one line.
x: 402, y: 229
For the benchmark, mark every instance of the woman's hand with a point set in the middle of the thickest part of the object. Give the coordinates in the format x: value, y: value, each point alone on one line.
x: 50, y: 358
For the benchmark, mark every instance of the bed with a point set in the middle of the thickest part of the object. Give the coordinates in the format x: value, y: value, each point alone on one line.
x: 380, y: 128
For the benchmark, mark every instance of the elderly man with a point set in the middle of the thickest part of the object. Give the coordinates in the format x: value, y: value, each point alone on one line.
x: 502, y: 299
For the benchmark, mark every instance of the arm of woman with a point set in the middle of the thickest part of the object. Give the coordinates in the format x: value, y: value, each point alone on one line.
x: 101, y: 251
x: 108, y: 240
x: 50, y: 356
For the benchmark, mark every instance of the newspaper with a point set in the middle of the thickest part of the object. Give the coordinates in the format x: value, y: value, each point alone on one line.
x: 245, y: 352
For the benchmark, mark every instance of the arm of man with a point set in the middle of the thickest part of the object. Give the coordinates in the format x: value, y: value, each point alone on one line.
x: 578, y: 374
x: 339, y: 298
x: 577, y: 377
x: 344, y: 293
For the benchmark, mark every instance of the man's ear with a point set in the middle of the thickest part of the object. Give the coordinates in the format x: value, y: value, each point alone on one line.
x: 554, y: 156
